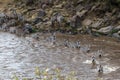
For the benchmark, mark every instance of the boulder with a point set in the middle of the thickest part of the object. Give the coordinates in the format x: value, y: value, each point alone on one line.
x: 116, y: 35
x: 105, y: 30
x: 117, y: 28
x: 86, y: 22
x: 2, y: 15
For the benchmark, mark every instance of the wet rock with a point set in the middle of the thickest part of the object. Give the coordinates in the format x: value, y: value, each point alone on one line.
x: 105, y: 30
x: 116, y: 35
x: 27, y: 29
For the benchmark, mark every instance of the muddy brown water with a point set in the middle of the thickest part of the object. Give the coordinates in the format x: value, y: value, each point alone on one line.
x: 20, y: 56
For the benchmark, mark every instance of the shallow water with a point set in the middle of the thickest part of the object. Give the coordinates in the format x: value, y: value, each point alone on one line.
x: 20, y: 56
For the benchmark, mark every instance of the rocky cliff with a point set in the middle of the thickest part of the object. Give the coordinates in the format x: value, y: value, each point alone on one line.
x: 94, y: 17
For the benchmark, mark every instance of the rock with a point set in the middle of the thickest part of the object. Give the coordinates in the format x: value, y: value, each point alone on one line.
x: 29, y: 2
x: 79, y: 1
x: 4, y: 27
x: 11, y: 23
x: 13, y: 14
x: 37, y: 20
x: 82, y: 13
x: 41, y: 13
x: 2, y: 20
x: 60, y: 20
x: 86, y: 22
x: 79, y: 7
x: 53, y: 20
x: 116, y: 35
x: 2, y: 15
x: 96, y: 24
x: 57, y: 18
x: 47, y: 2
x: 43, y: 6
x: 75, y: 21
x: 105, y: 30
x: 117, y: 28
x: 58, y: 6
x: 27, y: 29
x: 12, y: 30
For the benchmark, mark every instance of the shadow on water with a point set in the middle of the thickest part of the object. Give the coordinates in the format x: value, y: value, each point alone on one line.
x: 20, y: 56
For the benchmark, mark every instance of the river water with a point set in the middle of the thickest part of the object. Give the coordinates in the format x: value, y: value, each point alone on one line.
x: 20, y: 56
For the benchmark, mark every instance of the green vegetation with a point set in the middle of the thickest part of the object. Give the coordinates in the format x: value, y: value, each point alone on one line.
x: 48, y: 74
